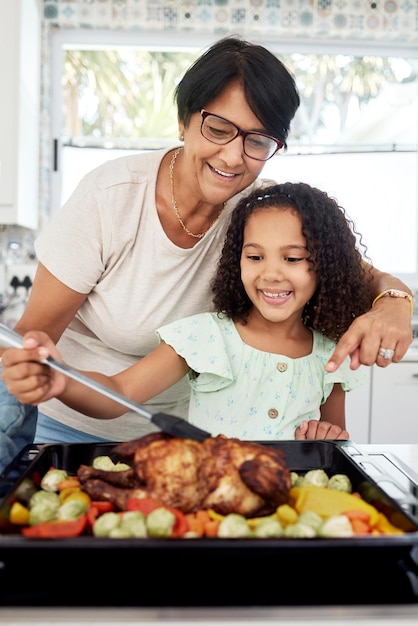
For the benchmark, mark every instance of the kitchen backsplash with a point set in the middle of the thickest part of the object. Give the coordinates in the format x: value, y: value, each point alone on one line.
x: 321, y: 19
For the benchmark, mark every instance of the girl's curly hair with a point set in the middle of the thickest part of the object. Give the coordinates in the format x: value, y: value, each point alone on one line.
x: 333, y: 244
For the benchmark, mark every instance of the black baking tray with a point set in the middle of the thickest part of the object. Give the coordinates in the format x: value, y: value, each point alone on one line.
x: 87, y: 571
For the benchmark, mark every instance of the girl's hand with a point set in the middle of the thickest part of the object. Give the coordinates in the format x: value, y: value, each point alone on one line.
x: 317, y: 429
x: 26, y: 378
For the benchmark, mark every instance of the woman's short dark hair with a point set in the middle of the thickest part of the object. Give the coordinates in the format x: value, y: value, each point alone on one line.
x: 269, y: 87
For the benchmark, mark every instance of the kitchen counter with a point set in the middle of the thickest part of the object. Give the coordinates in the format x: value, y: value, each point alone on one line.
x: 376, y: 615
x: 405, y: 615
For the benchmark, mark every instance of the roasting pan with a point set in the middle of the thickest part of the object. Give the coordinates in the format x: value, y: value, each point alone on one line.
x: 87, y: 571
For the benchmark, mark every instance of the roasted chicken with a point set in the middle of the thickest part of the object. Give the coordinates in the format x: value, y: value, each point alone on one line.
x: 227, y: 475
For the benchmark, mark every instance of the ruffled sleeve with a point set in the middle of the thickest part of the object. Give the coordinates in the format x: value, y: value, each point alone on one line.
x: 201, y: 340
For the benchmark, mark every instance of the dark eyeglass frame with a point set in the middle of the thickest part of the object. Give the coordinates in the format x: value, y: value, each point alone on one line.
x: 243, y: 133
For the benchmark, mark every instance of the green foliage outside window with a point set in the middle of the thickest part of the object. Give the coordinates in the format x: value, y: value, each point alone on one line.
x: 123, y: 97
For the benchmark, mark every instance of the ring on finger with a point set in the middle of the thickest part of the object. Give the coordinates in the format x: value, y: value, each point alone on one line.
x: 386, y: 353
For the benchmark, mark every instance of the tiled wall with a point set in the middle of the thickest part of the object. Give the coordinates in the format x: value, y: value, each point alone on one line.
x: 372, y: 19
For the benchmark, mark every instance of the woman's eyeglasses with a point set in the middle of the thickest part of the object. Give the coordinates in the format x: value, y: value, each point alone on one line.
x: 221, y: 131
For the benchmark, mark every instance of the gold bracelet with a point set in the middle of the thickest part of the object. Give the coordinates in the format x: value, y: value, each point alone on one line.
x: 395, y: 293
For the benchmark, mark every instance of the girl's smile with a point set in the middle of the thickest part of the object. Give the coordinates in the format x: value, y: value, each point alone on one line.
x: 276, y: 298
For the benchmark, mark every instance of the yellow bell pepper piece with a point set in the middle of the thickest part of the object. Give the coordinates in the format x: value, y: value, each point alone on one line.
x: 327, y: 502
x: 75, y: 494
x: 384, y: 526
x: 214, y: 515
x: 286, y: 515
x: 63, y: 495
x: 19, y: 514
x: 253, y: 522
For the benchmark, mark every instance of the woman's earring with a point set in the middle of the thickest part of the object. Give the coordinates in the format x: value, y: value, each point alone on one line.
x: 181, y: 137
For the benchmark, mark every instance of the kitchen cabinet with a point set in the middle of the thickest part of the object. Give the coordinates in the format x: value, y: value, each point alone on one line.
x: 19, y: 112
x: 394, y: 403
x: 357, y: 410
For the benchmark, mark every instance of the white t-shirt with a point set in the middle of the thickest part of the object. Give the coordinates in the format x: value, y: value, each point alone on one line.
x: 107, y: 241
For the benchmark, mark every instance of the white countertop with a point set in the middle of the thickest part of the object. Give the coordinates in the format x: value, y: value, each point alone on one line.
x: 404, y: 615
x: 376, y: 615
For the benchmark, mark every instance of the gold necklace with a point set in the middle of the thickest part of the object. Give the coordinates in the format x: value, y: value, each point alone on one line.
x: 174, y: 203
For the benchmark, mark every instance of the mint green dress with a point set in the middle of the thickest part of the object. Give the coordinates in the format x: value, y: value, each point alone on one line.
x: 239, y: 391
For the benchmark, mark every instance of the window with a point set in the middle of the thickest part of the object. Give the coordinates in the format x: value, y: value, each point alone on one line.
x: 355, y: 134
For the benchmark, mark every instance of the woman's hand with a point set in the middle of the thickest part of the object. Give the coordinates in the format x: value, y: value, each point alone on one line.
x: 26, y: 378
x: 317, y: 429
x: 387, y: 325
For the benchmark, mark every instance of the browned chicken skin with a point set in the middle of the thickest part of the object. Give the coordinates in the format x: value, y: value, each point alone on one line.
x: 227, y: 475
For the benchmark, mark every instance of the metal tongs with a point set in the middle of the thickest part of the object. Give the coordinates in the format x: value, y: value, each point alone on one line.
x: 171, y: 424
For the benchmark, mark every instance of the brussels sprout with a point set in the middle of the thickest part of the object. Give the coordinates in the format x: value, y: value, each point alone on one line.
x: 25, y: 490
x: 43, y: 507
x: 310, y: 518
x: 294, y: 476
x: 160, y: 522
x: 121, y: 467
x: 120, y: 533
x: 44, y: 498
x: 234, y: 525
x: 105, y: 524
x: 71, y: 509
x: 336, y: 526
x: 340, y: 482
x: 268, y: 527
x: 299, y: 531
x: 369, y: 492
x: 52, y: 478
x: 299, y: 482
x: 134, y: 523
x: 39, y: 514
x: 104, y: 463
x: 316, y: 477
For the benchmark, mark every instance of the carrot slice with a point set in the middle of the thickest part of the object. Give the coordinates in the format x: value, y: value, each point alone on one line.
x: 195, y: 524
x: 69, y: 483
x: 203, y: 515
x: 358, y: 514
x: 211, y: 528
x: 360, y: 527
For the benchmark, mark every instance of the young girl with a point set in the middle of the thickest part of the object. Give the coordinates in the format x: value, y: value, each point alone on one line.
x: 289, y: 282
